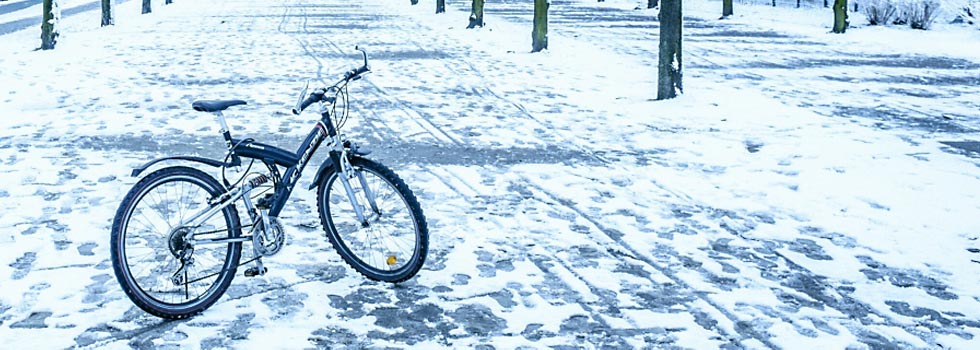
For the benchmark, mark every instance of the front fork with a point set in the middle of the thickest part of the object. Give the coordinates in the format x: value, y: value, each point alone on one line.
x: 340, y: 157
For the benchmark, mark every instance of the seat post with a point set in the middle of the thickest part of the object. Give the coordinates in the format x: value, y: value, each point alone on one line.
x: 224, y: 128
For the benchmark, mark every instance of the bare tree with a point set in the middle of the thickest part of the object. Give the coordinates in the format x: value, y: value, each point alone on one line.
x: 476, y: 16
x: 840, y: 16
x: 49, y: 21
x: 539, y: 35
x: 107, y: 13
x: 669, y: 72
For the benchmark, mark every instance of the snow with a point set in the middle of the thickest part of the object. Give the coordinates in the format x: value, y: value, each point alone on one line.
x: 759, y: 209
x: 944, y: 39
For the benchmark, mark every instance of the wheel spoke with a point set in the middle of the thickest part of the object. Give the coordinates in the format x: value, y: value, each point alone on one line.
x: 392, y: 234
x: 150, y: 254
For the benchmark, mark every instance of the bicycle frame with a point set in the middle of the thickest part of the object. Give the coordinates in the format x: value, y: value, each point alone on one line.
x: 273, y: 156
x: 322, y: 130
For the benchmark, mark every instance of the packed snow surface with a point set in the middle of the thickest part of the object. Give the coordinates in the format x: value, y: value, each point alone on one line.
x: 808, y: 189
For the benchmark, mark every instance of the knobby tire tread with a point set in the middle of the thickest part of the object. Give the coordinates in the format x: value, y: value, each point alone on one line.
x: 227, y: 274
x: 406, y: 193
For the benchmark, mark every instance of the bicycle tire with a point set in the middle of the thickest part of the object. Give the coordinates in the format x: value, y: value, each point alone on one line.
x: 126, y: 233
x: 331, y: 194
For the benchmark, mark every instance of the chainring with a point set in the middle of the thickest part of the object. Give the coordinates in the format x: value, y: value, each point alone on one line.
x: 272, y: 241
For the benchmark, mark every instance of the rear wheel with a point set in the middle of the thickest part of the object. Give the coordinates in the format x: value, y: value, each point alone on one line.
x: 160, y: 271
x: 392, y: 242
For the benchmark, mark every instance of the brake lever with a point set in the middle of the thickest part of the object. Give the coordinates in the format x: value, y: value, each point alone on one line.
x: 302, y: 96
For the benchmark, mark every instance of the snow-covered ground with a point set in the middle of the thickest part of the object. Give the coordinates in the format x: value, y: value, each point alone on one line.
x: 809, y: 190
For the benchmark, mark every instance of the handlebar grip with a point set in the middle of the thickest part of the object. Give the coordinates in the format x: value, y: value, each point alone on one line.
x: 307, y: 102
x: 354, y: 73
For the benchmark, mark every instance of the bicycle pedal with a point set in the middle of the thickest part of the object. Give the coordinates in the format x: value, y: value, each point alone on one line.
x: 254, y: 271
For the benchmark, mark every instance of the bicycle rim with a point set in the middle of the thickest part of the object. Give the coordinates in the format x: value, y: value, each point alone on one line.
x: 150, y: 250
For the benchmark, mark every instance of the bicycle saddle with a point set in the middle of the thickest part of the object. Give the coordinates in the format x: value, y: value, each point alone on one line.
x: 215, y: 105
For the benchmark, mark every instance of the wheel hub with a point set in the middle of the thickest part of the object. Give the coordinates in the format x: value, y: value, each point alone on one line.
x: 178, y: 242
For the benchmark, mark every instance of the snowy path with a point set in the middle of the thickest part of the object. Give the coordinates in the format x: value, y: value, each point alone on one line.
x: 566, y: 208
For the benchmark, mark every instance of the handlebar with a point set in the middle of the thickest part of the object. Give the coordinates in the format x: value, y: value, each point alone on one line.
x: 318, y: 94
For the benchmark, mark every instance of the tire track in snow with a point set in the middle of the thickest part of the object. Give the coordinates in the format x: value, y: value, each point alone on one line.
x: 567, y: 141
x: 637, y: 255
x: 540, y: 261
x: 562, y: 136
x: 844, y: 303
x: 424, y: 122
x: 607, y: 252
x: 373, y: 120
x: 564, y: 139
x: 841, y: 304
x: 688, y: 199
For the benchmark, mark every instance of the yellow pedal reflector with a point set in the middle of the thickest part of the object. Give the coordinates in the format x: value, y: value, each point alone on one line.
x: 392, y: 260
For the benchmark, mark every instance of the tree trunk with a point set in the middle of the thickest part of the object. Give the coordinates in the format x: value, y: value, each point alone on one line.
x: 652, y: 3
x: 49, y: 34
x: 840, y: 16
x: 669, y: 73
x: 855, y: 7
x: 726, y: 8
x: 797, y: 3
x: 539, y: 35
x: 167, y: 2
x: 440, y: 6
x: 106, y: 13
x: 476, y: 16
x: 773, y: 3
x: 825, y: 4
x: 146, y: 7
x: 965, y: 16
x: 415, y: 2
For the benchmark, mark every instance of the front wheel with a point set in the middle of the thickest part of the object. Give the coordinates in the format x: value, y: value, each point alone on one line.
x: 391, y: 242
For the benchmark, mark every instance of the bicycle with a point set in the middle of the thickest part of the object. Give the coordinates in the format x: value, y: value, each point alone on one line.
x: 169, y: 220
